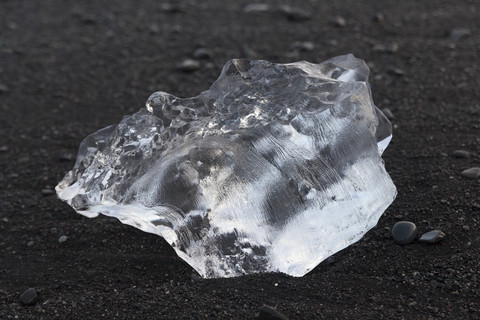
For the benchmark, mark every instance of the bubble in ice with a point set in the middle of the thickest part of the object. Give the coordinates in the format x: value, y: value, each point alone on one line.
x: 273, y: 169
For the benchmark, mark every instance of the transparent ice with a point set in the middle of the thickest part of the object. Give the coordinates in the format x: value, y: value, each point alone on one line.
x: 273, y: 169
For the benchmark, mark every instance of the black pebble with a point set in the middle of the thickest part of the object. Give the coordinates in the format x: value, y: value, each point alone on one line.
x: 256, y: 8
x: 460, y: 154
x: 396, y: 71
x: 471, y: 173
x: 47, y: 192
x: 404, y: 232
x: 432, y: 237
x: 65, y: 157
x: 202, y: 53
x: 29, y: 297
x: 188, y: 65
x: 378, y: 17
x: 268, y: 313
x: 460, y: 33
x: 340, y: 22
x: 392, y: 47
x: 3, y: 88
x: 171, y: 8
x: 295, y: 13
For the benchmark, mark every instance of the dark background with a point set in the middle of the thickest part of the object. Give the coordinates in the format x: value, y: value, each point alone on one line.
x: 69, y: 68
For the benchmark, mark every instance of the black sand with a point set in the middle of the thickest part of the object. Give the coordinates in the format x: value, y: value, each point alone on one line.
x: 69, y: 68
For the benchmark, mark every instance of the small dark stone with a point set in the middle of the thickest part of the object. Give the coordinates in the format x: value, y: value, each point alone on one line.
x: 388, y: 113
x: 12, y: 25
x: 303, y: 45
x: 154, y: 28
x: 404, y: 232
x: 62, y: 239
x: 269, y: 313
x: 432, y: 236
x: 188, y: 65
x: 23, y: 159
x: 396, y: 71
x: 171, y: 8
x: 3, y: 88
x: 295, y: 13
x: 340, y: 22
x: 65, y: 157
x: 378, y: 17
x: 29, y: 297
x: 471, y: 173
x: 307, y: 46
x: 333, y: 42
x: 378, y: 47
x: 392, y: 47
x: 202, y: 53
x: 47, y: 192
x: 3, y: 148
x: 89, y: 20
x: 460, y: 154
x: 459, y: 33
x: 256, y: 8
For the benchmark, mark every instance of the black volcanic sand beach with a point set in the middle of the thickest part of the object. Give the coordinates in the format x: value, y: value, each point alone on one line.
x: 69, y: 68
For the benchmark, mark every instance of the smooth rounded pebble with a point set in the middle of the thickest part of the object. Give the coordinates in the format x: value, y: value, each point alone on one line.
x: 202, y: 53
x: 404, y: 232
x: 378, y: 47
x: 29, y: 297
x: 307, y: 46
x: 432, y: 236
x: 62, y: 239
x: 65, y: 157
x: 392, y: 47
x: 460, y: 154
x: 378, y: 17
x: 189, y: 65
x: 460, y: 33
x: 3, y: 88
x: 471, y: 173
x: 47, y: 192
x: 340, y: 22
x: 295, y: 13
x: 269, y: 313
x: 256, y: 8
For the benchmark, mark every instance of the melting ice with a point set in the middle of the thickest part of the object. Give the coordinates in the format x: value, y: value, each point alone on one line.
x: 273, y: 169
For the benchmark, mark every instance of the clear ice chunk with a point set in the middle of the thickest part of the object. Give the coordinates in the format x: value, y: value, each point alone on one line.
x: 273, y: 169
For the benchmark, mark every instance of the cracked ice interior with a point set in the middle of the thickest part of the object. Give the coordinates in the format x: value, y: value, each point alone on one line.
x: 273, y: 169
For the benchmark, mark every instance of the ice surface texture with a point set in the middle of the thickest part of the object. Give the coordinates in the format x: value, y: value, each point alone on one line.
x: 274, y: 168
